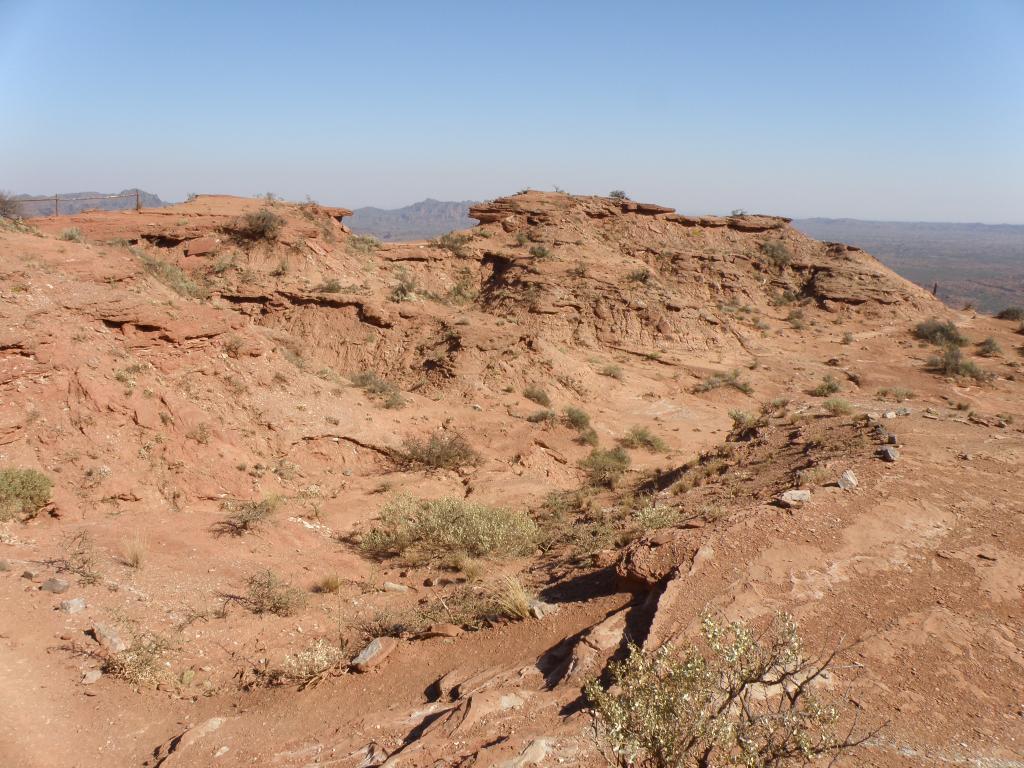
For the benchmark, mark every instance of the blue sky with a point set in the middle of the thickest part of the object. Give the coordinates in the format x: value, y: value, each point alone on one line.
x: 885, y: 110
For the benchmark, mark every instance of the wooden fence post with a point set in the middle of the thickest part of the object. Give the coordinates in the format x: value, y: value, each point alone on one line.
x: 138, y: 201
x: 56, y: 207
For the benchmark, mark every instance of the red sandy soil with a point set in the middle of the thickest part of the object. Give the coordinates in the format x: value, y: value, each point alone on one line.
x: 152, y: 411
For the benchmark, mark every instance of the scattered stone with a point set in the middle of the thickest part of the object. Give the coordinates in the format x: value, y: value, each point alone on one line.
x: 374, y: 654
x: 892, y: 440
x: 56, y: 586
x: 442, y: 630
x: 31, y: 574
x: 848, y: 480
x: 222, y: 751
x: 534, y: 754
x: 888, y: 453
x: 705, y: 554
x: 794, y: 498
x: 74, y: 605
x: 966, y: 456
x: 428, y: 582
x: 390, y: 586
x: 539, y: 609
x: 192, y: 735
x: 200, y: 246
x: 904, y: 411
x: 109, y: 638
x: 91, y: 676
x: 5, y: 565
x: 889, y: 415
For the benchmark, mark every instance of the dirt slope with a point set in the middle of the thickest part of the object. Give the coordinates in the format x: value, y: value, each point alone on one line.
x: 163, y: 368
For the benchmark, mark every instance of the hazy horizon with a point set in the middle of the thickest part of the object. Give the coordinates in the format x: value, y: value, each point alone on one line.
x: 908, y: 113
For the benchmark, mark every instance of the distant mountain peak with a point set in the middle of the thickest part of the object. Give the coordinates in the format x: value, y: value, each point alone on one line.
x: 418, y: 221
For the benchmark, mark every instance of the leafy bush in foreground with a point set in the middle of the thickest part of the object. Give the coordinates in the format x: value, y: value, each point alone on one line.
x: 742, y: 700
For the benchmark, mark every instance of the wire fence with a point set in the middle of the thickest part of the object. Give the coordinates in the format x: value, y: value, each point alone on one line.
x: 57, y: 200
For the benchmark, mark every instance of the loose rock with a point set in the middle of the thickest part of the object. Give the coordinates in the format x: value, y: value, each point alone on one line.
x: 794, y: 498
x: 109, y: 638
x: 390, y: 586
x: 92, y: 676
x: 539, y: 609
x: 74, y: 605
x: 888, y: 453
x: 848, y: 480
x: 374, y: 654
x: 56, y: 586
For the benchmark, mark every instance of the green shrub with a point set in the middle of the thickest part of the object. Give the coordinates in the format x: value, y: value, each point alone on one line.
x: 639, y: 276
x: 540, y: 252
x: 951, y: 363
x: 442, y: 450
x: 141, y: 665
x: 730, y: 379
x: 829, y: 386
x: 587, y: 437
x: 536, y: 393
x: 266, y: 592
x: 577, y: 418
x: 837, y: 406
x: 440, y: 528
x: 406, y: 288
x: 72, y: 235
x: 744, y: 699
x: 329, y: 286
x: 173, y: 277
x: 543, y: 416
x: 642, y: 437
x: 605, y: 466
x: 899, y: 394
x: 1011, y: 313
x: 744, y: 425
x: 612, y: 371
x: 378, y: 388
x: 263, y: 224
x: 453, y: 242
x: 247, y: 516
x: 362, y: 244
x: 777, y: 253
x: 940, y: 333
x: 23, y: 492
x: 617, y: 194
x: 989, y: 347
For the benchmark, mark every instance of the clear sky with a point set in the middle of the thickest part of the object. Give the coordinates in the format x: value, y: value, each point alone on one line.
x: 887, y: 110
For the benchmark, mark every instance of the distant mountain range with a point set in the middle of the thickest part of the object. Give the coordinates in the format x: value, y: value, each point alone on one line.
x: 979, y: 264
x: 73, y: 202
x: 419, y: 221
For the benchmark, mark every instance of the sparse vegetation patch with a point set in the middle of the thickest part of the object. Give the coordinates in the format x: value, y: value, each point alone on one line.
x: 439, y: 528
x: 23, y: 492
x: 642, y: 437
x: 263, y: 224
x: 730, y: 379
x: 940, y: 333
x: 604, y: 467
x: 442, y: 450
